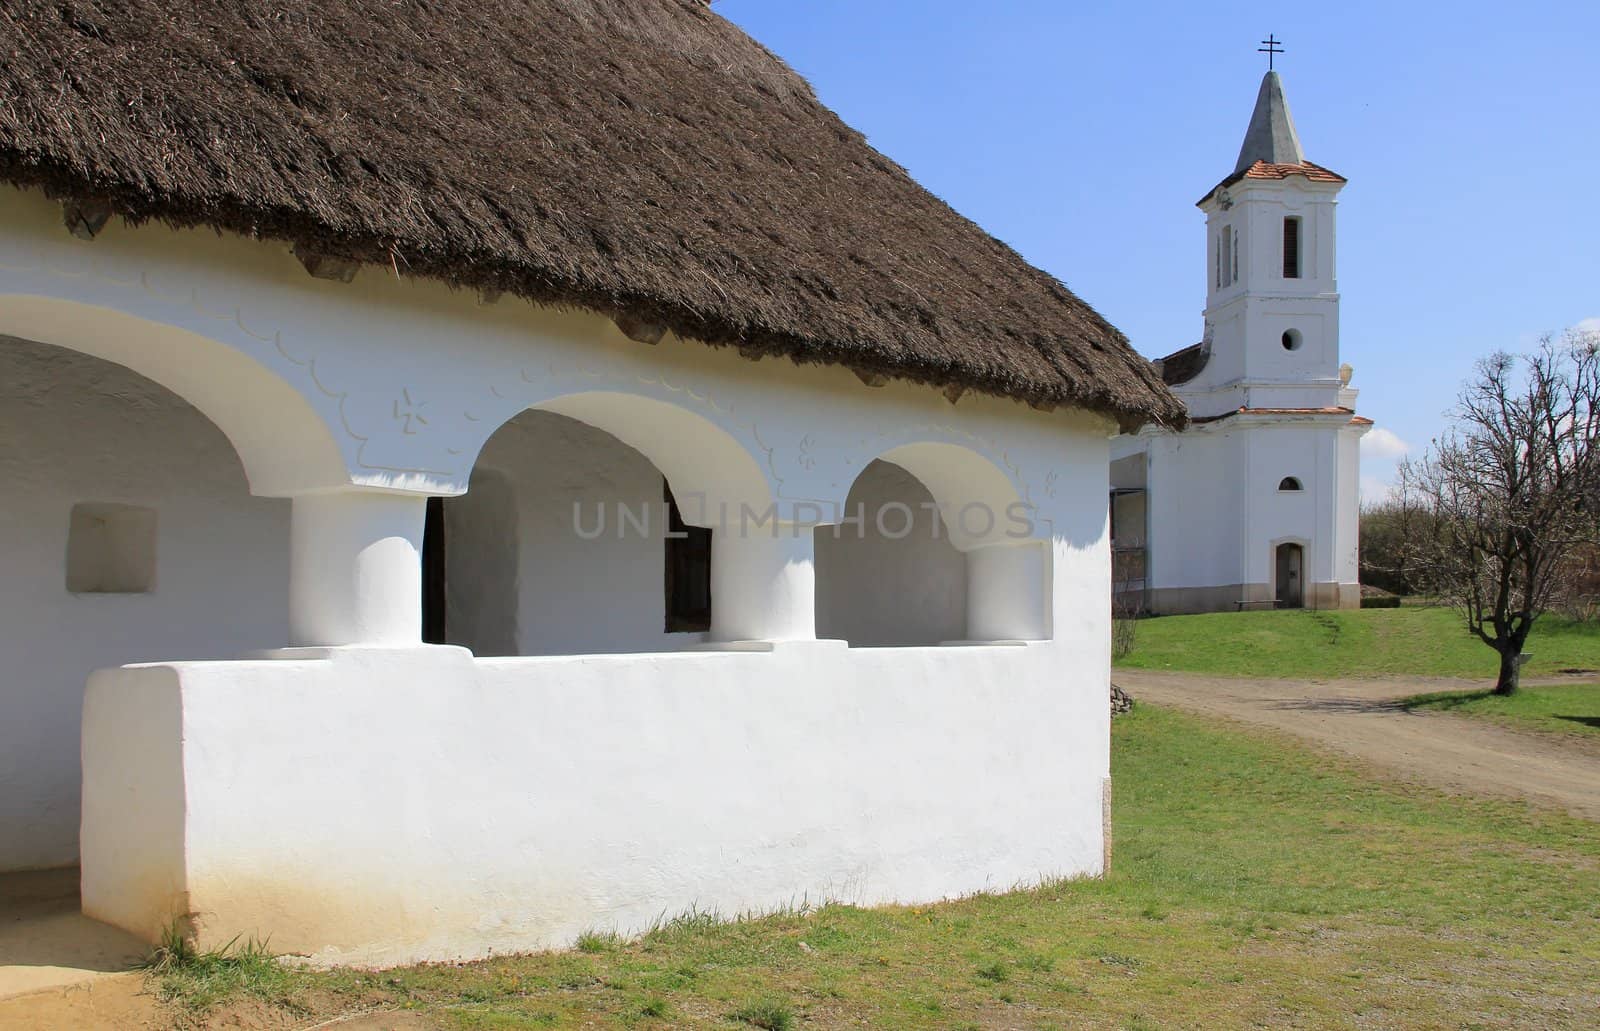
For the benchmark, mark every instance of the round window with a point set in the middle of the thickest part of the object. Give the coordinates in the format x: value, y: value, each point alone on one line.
x: 1289, y: 483
x: 1291, y: 340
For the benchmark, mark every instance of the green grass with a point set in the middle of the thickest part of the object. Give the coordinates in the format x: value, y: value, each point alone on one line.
x: 1255, y: 884
x: 195, y: 981
x: 1572, y: 710
x: 1407, y: 641
x: 767, y: 1014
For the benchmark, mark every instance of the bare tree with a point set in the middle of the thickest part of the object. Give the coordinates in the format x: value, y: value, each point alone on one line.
x: 1510, y: 493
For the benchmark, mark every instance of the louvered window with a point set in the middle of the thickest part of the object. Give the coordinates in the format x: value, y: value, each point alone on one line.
x: 1291, y: 248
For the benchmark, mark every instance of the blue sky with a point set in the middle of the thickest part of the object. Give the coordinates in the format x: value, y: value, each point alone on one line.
x: 1082, y: 134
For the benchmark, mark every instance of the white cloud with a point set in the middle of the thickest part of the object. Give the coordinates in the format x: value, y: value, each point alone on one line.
x: 1374, y: 490
x: 1589, y: 325
x: 1383, y: 445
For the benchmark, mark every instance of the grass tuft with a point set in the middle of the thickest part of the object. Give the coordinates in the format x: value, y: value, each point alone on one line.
x: 1037, y: 963
x: 767, y: 1014
x: 196, y: 981
x: 692, y: 921
x: 596, y: 942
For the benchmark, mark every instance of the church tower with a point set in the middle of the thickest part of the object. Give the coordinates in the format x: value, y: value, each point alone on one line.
x: 1256, y: 503
x: 1272, y: 301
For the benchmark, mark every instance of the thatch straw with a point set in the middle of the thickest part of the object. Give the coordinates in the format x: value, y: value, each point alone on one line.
x: 641, y: 158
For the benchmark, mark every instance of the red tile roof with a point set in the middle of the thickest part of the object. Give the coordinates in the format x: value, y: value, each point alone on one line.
x: 1265, y: 170
x: 1316, y: 173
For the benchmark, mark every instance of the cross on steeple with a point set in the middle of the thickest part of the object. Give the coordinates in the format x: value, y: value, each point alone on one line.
x: 1270, y: 46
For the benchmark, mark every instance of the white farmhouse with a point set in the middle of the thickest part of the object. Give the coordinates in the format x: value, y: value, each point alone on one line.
x: 1255, y: 503
x: 508, y: 469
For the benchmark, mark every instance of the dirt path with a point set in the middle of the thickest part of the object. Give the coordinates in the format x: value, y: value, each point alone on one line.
x: 1363, y: 718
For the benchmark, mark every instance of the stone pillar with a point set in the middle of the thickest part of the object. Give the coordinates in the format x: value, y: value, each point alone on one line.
x: 1006, y: 587
x: 355, y: 569
x: 763, y: 586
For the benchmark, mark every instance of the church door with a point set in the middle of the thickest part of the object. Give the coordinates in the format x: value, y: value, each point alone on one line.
x: 1290, y: 592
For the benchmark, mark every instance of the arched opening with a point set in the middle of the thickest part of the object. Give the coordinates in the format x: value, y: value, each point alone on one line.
x: 1289, y: 484
x: 890, y: 576
x: 128, y: 533
x: 569, y: 539
x: 283, y: 444
x: 936, y: 546
x: 1289, y: 579
x: 471, y: 551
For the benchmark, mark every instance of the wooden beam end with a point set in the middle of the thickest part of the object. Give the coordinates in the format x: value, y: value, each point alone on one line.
x: 85, y: 218
x: 641, y: 330
x: 327, y: 266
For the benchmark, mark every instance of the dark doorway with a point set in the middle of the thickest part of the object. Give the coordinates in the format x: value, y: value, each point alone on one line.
x: 1291, y: 562
x: 688, y: 572
x: 433, y: 564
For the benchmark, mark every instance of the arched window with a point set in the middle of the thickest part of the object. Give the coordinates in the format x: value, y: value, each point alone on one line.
x: 1289, y: 483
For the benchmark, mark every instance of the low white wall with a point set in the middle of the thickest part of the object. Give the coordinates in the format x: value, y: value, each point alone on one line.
x: 77, y: 429
x: 890, y: 581
x: 510, y: 804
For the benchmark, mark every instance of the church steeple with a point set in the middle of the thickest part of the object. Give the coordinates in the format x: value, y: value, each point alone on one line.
x: 1271, y: 136
x: 1272, y: 298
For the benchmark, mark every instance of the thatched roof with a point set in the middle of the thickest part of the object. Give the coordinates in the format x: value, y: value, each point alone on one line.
x: 641, y: 158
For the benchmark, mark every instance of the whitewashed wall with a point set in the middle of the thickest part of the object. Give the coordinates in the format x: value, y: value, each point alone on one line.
x: 1347, y: 506
x: 1217, y: 515
x: 584, y: 792
x: 1275, y: 517
x: 1198, y: 544
x: 591, y: 788
x: 78, y: 429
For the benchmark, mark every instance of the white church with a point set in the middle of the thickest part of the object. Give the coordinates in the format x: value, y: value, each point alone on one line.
x: 503, y: 470
x: 1255, y: 503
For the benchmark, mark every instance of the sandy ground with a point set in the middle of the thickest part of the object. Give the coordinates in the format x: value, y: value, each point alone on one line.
x: 1363, y: 718
x: 58, y: 968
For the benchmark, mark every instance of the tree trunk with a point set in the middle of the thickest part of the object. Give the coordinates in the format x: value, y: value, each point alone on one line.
x: 1510, y: 670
